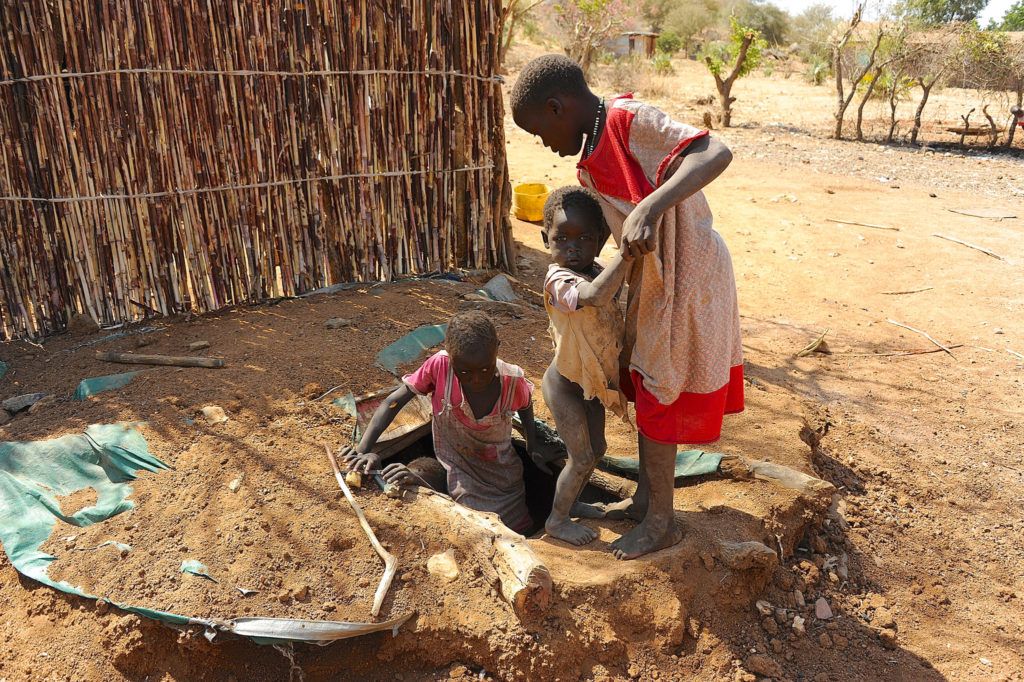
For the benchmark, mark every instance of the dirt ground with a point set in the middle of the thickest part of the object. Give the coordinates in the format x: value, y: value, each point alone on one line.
x: 920, y: 558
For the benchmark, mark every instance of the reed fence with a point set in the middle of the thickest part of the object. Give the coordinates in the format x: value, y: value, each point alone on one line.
x: 160, y: 156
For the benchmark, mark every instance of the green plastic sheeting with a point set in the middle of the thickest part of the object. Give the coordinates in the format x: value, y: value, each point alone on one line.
x: 193, y: 567
x: 110, y: 382
x: 3, y: 369
x: 106, y: 458
x: 409, y: 347
x: 688, y: 463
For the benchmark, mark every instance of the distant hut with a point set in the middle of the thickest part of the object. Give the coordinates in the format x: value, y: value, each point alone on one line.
x: 634, y: 43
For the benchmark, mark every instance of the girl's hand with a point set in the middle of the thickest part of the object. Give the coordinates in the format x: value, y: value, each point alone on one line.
x: 398, y: 474
x: 639, y: 233
x: 359, y: 461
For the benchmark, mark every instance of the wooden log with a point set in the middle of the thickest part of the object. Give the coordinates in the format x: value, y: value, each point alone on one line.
x: 167, y: 360
x: 525, y: 582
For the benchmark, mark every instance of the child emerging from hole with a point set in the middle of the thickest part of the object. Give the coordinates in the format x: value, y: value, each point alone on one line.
x: 473, y: 396
x: 682, y: 318
x: 587, y: 329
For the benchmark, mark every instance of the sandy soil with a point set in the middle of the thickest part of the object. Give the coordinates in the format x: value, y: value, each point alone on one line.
x: 920, y: 559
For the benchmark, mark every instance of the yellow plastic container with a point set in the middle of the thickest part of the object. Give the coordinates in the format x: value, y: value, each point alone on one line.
x: 528, y: 201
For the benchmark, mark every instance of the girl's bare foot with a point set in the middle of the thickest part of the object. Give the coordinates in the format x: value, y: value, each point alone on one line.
x: 570, y: 531
x: 582, y: 510
x: 630, y: 508
x: 650, y: 536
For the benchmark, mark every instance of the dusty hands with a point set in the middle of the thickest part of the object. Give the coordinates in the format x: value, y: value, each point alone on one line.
x: 400, y: 475
x: 359, y: 461
x: 639, y: 234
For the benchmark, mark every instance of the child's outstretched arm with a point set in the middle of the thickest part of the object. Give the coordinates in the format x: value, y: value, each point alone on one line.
x: 606, y: 285
x: 703, y: 161
x: 362, y: 458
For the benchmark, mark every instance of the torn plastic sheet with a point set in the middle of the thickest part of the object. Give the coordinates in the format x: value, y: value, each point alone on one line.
x: 109, y: 382
x: 688, y: 463
x: 33, y: 475
x: 409, y: 347
x: 193, y: 567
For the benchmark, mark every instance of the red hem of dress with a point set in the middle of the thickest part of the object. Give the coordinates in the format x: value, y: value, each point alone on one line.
x: 693, y: 418
x: 676, y: 151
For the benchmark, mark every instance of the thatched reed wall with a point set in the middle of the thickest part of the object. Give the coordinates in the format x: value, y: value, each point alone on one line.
x: 171, y: 155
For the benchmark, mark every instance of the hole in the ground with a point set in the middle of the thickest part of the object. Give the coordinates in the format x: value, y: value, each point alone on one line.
x: 540, y: 486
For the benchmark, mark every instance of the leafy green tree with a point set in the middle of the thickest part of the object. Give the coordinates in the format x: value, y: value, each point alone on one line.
x: 811, y: 29
x: 689, y: 18
x: 938, y: 12
x: 669, y: 43
x: 764, y: 17
x: 739, y: 56
x: 1013, y: 20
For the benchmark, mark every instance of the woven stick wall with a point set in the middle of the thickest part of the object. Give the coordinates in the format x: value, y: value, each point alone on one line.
x: 172, y: 155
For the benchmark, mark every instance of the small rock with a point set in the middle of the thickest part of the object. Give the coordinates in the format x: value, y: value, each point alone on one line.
x: 102, y: 607
x: 916, y: 589
x: 199, y: 345
x: 763, y: 607
x: 301, y: 593
x: 839, y: 641
x: 798, y: 597
x: 708, y: 560
x: 42, y: 404
x: 633, y: 671
x: 770, y: 626
x: 798, y: 625
x: 763, y: 665
x: 21, y: 402
x: 284, y: 596
x: 741, y: 556
x: 443, y: 565
x: 329, y: 606
x: 777, y: 645
x: 235, y: 485
x: 824, y: 641
x: 82, y: 324
x: 882, y: 618
x: 338, y: 323
x: 458, y: 671
x: 888, y: 638
x: 822, y: 610
x: 985, y: 662
x: 214, y: 414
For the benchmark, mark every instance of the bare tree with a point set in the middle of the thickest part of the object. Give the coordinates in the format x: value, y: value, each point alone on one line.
x: 512, y: 14
x: 843, y: 98
x: 929, y: 65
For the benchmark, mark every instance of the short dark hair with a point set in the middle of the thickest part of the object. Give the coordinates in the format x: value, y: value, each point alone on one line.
x: 469, y: 330
x: 546, y: 77
x: 581, y: 198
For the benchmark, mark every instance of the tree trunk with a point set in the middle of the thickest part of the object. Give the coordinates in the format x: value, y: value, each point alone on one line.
x: 725, y: 100
x: 892, y: 114
x: 926, y: 90
x: 863, y: 102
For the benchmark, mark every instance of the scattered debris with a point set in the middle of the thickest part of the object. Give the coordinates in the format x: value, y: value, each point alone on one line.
x: 22, y: 402
x: 235, y: 485
x: 985, y: 662
x: 338, y: 323
x: 198, y: 345
x: 858, y: 224
x: 925, y: 335
x: 987, y: 213
x: 245, y: 592
x: 822, y: 610
x: 817, y: 346
x: 193, y: 567
x: 970, y: 246
x: 443, y: 565
x: 390, y: 562
x: 909, y: 291
x: 214, y: 414
x: 165, y: 360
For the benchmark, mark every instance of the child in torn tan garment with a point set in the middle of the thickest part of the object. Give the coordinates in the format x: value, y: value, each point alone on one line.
x: 587, y: 329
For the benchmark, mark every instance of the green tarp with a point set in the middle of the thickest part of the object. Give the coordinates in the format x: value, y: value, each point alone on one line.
x: 33, y: 475
x: 3, y: 369
x: 94, y: 385
x: 688, y: 463
x: 409, y: 347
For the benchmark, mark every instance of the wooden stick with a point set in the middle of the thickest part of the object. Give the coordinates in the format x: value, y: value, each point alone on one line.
x: 909, y: 291
x: 925, y: 335
x: 971, y: 246
x: 900, y: 353
x: 167, y: 360
x: 813, y: 345
x: 390, y: 562
x: 854, y: 222
x: 1015, y: 354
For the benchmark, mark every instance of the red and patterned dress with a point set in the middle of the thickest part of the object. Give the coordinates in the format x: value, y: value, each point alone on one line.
x: 682, y: 317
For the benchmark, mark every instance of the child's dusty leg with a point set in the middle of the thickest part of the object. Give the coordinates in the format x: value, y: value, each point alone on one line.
x: 565, y: 400
x: 634, y: 507
x: 658, y: 529
x: 595, y: 413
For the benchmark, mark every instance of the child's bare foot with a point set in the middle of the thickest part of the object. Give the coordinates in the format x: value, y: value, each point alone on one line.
x: 650, y: 536
x: 570, y: 531
x: 582, y: 510
x: 630, y: 508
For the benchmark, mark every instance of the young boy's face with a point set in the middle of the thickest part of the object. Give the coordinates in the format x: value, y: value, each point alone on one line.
x: 573, y: 238
x: 554, y: 125
x: 475, y: 368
